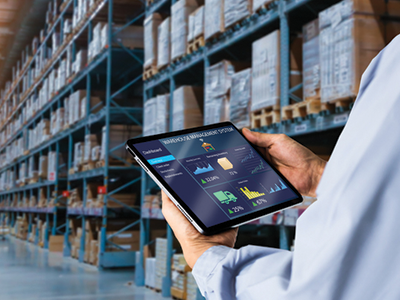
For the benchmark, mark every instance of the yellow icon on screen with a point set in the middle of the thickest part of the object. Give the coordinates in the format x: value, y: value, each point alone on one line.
x: 207, y: 147
x: 250, y: 194
x: 225, y: 163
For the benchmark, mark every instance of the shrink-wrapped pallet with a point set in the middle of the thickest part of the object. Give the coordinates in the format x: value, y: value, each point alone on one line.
x: 164, y: 43
x: 150, y: 114
x: 131, y: 37
x: 265, y: 72
x: 214, y: 18
x: 180, y: 12
x: 162, y: 111
x: 348, y: 43
x: 161, y: 261
x: 196, y: 24
x: 187, y: 103
x: 241, y: 98
x: 151, y: 24
x: 236, y: 10
x: 311, y: 66
x: 150, y: 274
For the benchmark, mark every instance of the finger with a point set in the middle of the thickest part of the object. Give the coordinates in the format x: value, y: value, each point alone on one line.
x: 265, y: 140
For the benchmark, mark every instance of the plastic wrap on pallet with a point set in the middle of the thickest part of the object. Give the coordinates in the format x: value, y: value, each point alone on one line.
x: 161, y: 261
x: 257, y: 4
x: 149, y: 118
x: 187, y: 103
x: 216, y: 109
x: 236, y: 10
x: 214, y: 22
x: 219, y: 78
x: 180, y: 12
x: 241, y: 99
x: 162, y: 113
x: 164, y: 43
x: 311, y: 67
x: 196, y: 24
x: 265, y: 72
x: 150, y: 274
x: 151, y: 24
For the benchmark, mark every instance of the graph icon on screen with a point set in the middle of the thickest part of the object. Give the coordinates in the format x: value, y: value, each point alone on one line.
x: 278, y: 187
x: 250, y: 194
x: 248, y: 156
x: 250, y: 160
x: 200, y: 167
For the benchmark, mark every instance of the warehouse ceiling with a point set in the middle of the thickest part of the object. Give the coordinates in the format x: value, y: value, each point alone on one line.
x: 20, y: 21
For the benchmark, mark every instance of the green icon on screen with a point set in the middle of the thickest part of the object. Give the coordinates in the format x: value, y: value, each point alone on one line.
x: 254, y: 204
x: 225, y: 197
x: 231, y: 212
x: 203, y: 181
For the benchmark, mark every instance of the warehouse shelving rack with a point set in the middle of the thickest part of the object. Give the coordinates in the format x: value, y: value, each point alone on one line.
x: 235, y: 44
x: 116, y: 68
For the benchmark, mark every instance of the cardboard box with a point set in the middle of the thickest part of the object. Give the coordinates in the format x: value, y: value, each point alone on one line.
x: 180, y: 12
x: 311, y: 64
x: 196, y: 24
x: 236, y: 10
x: 164, y: 43
x: 214, y: 23
x: 151, y: 24
x: 240, y: 101
x: 95, y: 106
x: 56, y: 243
x: 187, y: 112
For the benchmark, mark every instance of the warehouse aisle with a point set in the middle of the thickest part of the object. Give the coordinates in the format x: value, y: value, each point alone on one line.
x: 30, y: 273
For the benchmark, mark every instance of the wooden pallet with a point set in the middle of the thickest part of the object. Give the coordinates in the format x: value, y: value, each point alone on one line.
x: 301, y: 109
x: 265, y: 116
x: 343, y: 102
x: 267, y: 5
x: 215, y: 36
x: 238, y: 23
x: 89, y: 166
x: 149, y: 72
x: 195, y: 44
x: 178, y: 294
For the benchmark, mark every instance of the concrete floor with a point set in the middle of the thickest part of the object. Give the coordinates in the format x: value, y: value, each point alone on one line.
x: 28, y: 272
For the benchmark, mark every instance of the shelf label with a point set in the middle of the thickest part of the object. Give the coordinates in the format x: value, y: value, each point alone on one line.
x: 101, y: 190
x: 340, y: 119
x: 65, y: 194
x: 300, y: 128
x: 52, y: 176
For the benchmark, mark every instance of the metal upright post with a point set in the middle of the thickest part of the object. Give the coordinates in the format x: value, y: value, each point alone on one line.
x: 103, y: 240
x: 284, y: 53
x: 67, y: 246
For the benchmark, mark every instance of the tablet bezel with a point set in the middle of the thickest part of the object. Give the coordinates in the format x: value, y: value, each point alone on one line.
x: 225, y: 225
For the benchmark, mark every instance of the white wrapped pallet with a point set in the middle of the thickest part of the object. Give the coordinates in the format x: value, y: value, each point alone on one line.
x: 241, y: 99
x: 164, y: 43
x: 187, y: 107
x: 311, y: 67
x: 161, y: 261
x: 151, y: 24
x: 214, y: 22
x: 196, y: 24
x: 162, y: 112
x: 150, y: 113
x: 265, y: 72
x: 150, y: 274
x: 180, y: 12
x: 236, y: 10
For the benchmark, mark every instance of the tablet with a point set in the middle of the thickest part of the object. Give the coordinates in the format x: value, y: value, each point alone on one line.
x: 214, y: 176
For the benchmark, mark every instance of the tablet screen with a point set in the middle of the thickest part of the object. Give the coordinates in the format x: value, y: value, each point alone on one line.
x: 217, y: 173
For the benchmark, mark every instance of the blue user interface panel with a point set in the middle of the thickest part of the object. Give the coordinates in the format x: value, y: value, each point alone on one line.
x: 217, y: 173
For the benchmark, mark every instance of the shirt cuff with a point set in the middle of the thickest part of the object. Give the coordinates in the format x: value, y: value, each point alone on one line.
x: 206, y: 264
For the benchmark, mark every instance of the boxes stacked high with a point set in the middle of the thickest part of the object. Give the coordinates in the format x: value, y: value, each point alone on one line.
x: 311, y: 67
x: 53, y: 171
x: 164, y: 44
x: 151, y: 24
x: 214, y: 23
x: 75, y: 198
x: 236, y: 10
x: 179, y: 269
x: 91, y: 233
x: 91, y: 141
x: 43, y: 166
x: 95, y: 106
x: 118, y: 135
x: 196, y: 24
x: 180, y: 12
x: 91, y: 193
x: 187, y: 107
x: 126, y: 199
x: 156, y: 115
x: 350, y: 37
x: 131, y: 37
x: 78, y: 156
x: 241, y: 98
x: 161, y: 261
x: 74, y: 104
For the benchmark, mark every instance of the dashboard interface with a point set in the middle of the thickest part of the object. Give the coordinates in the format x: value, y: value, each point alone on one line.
x: 217, y: 173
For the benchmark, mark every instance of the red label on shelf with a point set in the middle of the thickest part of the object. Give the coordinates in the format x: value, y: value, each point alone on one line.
x: 52, y: 176
x: 65, y: 193
x: 101, y: 190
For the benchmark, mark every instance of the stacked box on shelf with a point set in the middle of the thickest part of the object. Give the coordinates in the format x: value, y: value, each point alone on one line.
x: 78, y: 156
x: 55, y: 170
x: 75, y: 198
x: 217, y: 90
x: 179, y: 270
x: 311, y: 67
x: 196, y: 25
x: 150, y: 273
x: 236, y: 10
x: 151, y: 24
x: 127, y: 199
x: 187, y: 107
x: 91, y: 142
x: 42, y: 198
x: 164, y: 44
x: 351, y: 35
x: 131, y: 37
x: 180, y: 12
x: 241, y: 99
x: 214, y: 23
x: 91, y: 194
x: 56, y: 243
x: 91, y: 235
x: 156, y: 115
x: 118, y: 135
x: 191, y: 287
x: 161, y: 261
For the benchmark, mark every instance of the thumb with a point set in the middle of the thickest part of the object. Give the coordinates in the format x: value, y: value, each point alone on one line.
x: 259, y: 139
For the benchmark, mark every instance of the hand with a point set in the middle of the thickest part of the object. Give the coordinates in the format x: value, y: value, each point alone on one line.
x: 193, y: 243
x: 297, y: 163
